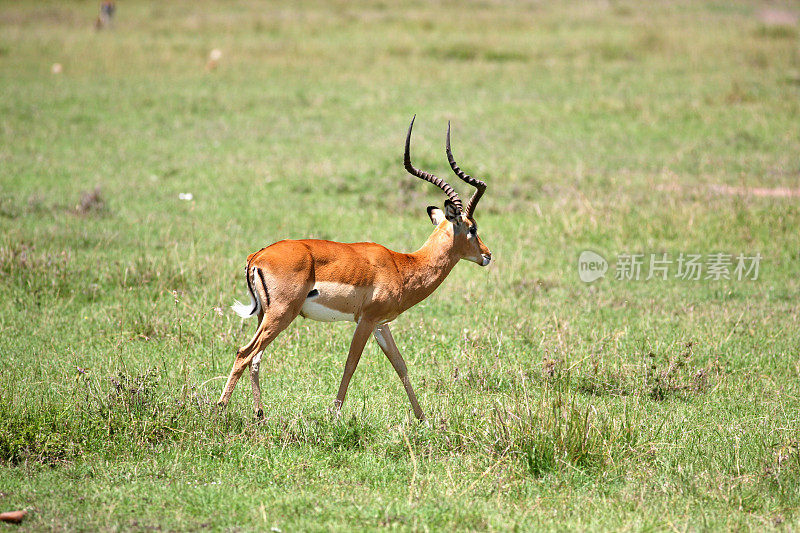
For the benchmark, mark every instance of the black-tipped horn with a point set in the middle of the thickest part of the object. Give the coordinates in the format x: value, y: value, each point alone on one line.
x: 478, y: 184
x: 448, y: 190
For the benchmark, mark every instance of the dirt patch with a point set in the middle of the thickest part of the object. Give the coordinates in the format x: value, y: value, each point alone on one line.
x: 777, y: 192
x: 91, y: 202
x: 730, y: 190
x: 777, y: 17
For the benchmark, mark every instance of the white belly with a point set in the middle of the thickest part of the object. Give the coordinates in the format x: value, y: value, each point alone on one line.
x: 315, y: 311
x: 317, y: 307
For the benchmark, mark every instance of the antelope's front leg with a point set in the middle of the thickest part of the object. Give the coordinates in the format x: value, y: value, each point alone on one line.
x: 385, y: 340
x: 363, y: 330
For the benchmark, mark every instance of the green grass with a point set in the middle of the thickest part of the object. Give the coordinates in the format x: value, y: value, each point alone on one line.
x: 552, y: 404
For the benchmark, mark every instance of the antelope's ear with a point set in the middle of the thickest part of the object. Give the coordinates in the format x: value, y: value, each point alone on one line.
x: 436, y: 214
x: 451, y: 212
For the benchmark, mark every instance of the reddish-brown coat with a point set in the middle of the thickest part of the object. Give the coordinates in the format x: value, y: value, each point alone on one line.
x: 382, y: 283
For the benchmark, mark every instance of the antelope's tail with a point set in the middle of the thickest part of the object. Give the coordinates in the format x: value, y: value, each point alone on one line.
x: 243, y: 310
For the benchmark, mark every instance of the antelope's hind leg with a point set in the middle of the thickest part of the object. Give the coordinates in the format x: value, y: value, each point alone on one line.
x: 254, y: 381
x: 272, y: 323
x: 255, y: 365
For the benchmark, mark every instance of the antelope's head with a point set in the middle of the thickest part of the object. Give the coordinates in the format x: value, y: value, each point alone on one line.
x: 454, y: 219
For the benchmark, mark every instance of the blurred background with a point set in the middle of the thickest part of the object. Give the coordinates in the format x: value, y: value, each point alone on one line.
x: 572, y: 106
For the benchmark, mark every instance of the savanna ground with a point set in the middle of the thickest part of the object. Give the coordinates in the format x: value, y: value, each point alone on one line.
x: 610, y: 126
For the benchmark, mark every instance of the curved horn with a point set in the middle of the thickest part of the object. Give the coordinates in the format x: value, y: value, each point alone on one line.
x: 448, y: 190
x: 478, y: 184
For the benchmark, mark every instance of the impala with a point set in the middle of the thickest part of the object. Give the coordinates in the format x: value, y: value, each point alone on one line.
x: 362, y: 282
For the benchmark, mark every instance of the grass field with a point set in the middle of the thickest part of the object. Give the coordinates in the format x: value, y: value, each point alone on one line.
x: 616, y: 127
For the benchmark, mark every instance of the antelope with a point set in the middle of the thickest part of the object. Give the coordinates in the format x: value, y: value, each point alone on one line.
x: 361, y: 282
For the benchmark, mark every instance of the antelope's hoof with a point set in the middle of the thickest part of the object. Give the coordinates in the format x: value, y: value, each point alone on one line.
x: 260, y: 414
x: 335, y: 409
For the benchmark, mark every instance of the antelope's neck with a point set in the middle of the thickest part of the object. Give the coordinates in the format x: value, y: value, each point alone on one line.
x: 427, y: 268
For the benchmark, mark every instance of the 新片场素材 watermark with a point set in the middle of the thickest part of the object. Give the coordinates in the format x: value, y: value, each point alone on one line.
x: 714, y: 266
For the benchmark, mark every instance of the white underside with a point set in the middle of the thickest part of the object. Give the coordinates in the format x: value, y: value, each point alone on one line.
x: 315, y: 308
x: 315, y: 311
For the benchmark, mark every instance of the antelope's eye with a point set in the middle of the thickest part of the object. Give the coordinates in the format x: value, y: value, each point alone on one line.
x: 473, y: 230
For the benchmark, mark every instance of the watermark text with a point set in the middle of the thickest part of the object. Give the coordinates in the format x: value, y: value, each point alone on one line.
x: 662, y: 266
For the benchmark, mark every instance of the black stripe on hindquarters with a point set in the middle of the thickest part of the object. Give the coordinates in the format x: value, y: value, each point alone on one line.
x: 250, y: 288
x: 312, y: 293
x: 263, y: 284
